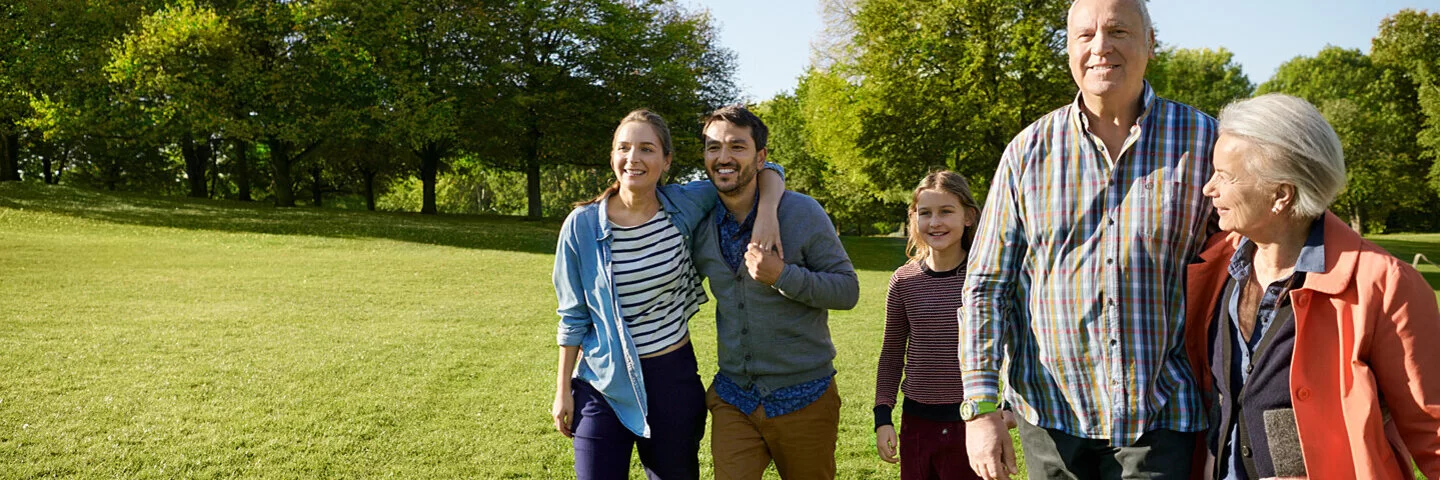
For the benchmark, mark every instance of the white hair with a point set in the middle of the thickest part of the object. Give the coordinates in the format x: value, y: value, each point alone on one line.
x: 1299, y: 148
x: 1145, y: 21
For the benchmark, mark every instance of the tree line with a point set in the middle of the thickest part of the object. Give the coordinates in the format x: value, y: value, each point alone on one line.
x: 484, y: 106
x: 900, y: 87
x: 259, y: 99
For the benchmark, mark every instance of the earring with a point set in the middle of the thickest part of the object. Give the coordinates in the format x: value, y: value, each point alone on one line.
x: 1275, y: 210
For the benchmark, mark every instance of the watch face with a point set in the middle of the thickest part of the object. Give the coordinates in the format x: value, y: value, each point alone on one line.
x: 967, y: 411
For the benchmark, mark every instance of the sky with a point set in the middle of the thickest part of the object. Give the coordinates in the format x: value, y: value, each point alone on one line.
x: 771, y: 38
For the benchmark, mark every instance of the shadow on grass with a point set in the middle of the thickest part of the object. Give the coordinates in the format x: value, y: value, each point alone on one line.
x: 486, y: 232
x: 463, y: 231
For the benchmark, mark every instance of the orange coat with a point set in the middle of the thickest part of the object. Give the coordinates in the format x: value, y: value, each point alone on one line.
x: 1366, y: 328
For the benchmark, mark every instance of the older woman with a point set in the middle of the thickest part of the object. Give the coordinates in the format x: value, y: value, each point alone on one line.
x: 1310, y: 338
x: 627, y: 289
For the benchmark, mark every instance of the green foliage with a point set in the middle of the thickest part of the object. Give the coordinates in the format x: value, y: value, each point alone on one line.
x: 1373, y: 109
x: 1410, y: 40
x: 572, y: 69
x: 949, y: 83
x: 472, y: 189
x: 179, y: 67
x: 1202, y: 78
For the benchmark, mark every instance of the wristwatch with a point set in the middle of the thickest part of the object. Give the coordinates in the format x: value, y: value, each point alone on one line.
x: 972, y: 408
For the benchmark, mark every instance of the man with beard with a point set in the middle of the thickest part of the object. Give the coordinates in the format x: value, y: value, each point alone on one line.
x: 775, y: 396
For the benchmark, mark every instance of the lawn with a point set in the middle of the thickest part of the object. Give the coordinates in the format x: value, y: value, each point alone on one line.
x: 175, y: 338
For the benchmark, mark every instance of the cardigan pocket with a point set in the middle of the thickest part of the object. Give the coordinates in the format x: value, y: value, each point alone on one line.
x: 1284, y: 439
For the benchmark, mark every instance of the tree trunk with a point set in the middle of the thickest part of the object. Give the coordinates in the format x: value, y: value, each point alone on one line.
x: 429, y: 167
x: 280, y: 161
x: 316, y: 186
x: 242, y: 170
x: 532, y: 176
x: 1356, y: 221
x: 10, y: 156
x: 111, y: 173
x: 369, y: 188
x: 59, y: 170
x: 195, y: 166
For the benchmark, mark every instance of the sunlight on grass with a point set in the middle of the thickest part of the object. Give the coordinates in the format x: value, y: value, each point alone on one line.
x: 163, y: 338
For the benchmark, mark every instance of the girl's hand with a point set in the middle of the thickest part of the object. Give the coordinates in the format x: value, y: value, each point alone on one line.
x: 563, y: 412
x: 886, y: 443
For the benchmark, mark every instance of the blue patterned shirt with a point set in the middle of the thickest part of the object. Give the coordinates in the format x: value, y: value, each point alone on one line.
x: 777, y: 403
x: 735, y: 236
x: 1077, y: 275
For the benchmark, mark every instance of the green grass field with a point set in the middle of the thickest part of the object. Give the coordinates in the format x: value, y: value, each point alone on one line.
x: 173, y: 338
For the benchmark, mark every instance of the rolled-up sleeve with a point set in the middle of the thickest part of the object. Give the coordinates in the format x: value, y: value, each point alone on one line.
x: 569, y: 288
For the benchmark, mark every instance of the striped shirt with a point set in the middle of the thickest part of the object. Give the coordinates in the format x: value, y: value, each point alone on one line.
x: 656, y: 282
x: 921, y: 337
x: 1078, y: 271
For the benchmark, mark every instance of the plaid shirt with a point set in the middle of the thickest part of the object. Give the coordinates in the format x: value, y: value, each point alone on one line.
x: 1077, y: 274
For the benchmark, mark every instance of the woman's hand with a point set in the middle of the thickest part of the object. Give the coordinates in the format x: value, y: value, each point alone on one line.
x: 563, y: 412
x: 766, y: 233
x: 764, y: 266
x: 886, y: 443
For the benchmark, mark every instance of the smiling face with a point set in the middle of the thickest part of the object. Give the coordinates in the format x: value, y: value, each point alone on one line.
x: 940, y: 219
x: 1241, y: 199
x: 1109, y: 48
x: 731, y: 159
x: 637, y: 157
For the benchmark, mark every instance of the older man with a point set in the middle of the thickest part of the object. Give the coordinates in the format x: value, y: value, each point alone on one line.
x: 1078, y: 271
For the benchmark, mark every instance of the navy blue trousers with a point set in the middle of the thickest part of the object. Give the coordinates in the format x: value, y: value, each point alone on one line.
x: 676, y: 417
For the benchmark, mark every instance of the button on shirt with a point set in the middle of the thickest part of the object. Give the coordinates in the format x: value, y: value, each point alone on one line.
x: 1078, y: 274
x: 734, y: 239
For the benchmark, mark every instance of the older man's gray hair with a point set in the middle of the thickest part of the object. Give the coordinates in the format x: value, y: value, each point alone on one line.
x: 1144, y: 18
x: 1298, y: 148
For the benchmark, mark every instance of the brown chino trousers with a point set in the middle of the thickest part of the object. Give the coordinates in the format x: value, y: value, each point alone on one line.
x: 802, y: 443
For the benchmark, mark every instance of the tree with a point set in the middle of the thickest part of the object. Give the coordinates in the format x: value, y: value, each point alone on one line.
x: 949, y: 83
x: 59, y: 99
x: 1410, y: 40
x: 1202, y: 78
x: 1373, y: 110
x: 572, y: 69
x: 181, y: 69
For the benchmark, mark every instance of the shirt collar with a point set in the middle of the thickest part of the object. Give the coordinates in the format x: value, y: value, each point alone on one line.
x: 749, y: 219
x: 1147, y: 101
x: 1311, y: 260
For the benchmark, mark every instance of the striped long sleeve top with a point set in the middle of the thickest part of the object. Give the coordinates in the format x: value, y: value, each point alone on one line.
x: 921, y: 337
x: 1077, y: 274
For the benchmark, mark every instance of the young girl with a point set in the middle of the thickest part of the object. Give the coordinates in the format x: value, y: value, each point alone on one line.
x: 922, y: 335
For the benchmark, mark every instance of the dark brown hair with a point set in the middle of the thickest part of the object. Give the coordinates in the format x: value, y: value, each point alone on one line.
x: 740, y: 116
x: 662, y: 130
x: 947, y: 182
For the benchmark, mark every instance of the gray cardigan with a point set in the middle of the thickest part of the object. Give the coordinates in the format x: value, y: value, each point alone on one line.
x: 775, y: 337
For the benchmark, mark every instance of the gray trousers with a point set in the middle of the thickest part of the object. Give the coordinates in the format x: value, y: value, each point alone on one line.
x: 1159, y: 454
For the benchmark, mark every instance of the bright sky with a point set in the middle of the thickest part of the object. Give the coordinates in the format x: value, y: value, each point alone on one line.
x: 771, y: 38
